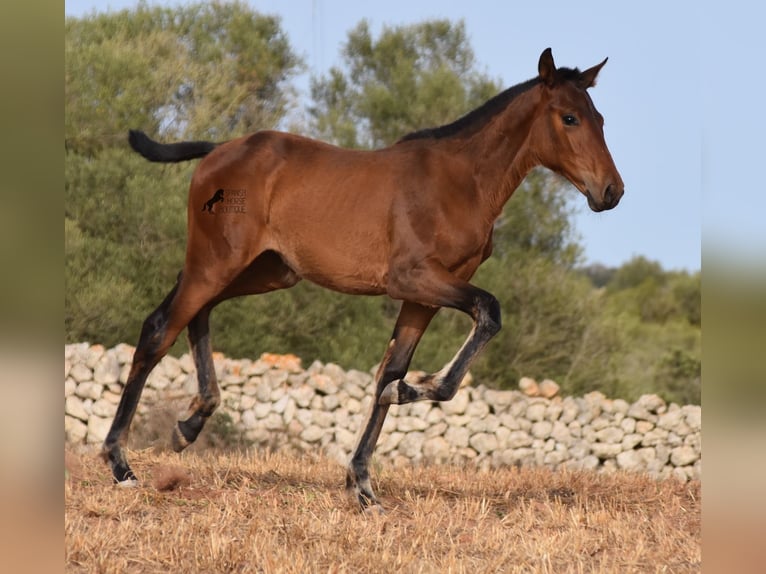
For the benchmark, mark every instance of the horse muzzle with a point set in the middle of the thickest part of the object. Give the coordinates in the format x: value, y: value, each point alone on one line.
x: 609, y: 198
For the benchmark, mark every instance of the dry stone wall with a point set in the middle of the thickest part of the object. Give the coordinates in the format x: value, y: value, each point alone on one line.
x: 274, y: 403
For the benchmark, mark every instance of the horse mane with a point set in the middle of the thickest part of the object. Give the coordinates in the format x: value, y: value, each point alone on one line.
x: 479, y: 117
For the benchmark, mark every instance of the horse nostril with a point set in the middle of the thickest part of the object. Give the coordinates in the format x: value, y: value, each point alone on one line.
x: 609, y: 194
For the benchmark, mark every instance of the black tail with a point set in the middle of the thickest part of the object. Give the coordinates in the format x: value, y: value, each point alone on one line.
x: 168, y: 153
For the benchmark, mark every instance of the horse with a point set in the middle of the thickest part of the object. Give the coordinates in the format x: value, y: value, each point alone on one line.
x: 412, y: 221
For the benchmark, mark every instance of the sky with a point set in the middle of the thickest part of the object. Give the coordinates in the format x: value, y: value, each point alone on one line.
x: 670, y: 68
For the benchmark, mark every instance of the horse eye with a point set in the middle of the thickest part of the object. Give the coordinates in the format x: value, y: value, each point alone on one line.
x: 569, y: 120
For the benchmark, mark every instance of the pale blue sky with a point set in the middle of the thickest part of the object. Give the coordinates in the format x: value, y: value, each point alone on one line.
x: 669, y: 68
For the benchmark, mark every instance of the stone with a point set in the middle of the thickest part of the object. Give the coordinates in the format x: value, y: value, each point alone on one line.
x: 389, y: 442
x: 536, y: 412
x: 353, y: 405
x: 435, y: 416
x: 683, y: 455
x: 93, y: 355
x: 529, y: 387
x: 436, y: 449
x: 630, y: 460
x: 693, y: 416
x: 104, y: 408
x: 280, y: 404
x: 107, y: 370
x: 483, y: 442
x: 477, y: 409
x: 631, y: 441
x: 654, y: 437
x: 330, y: 402
x: 410, y: 423
x: 312, y: 433
x: 73, y: 406
x: 695, y: 441
x: 89, y: 390
x: 610, y: 435
x: 75, y: 430
x: 249, y: 420
x: 157, y: 380
x: 553, y: 411
x: 555, y: 457
x: 670, y: 420
x: 420, y: 409
x: 560, y: 433
x: 458, y: 404
x: 69, y: 387
x: 290, y: 409
x: 411, y: 445
x: 548, y: 388
x: 288, y: 363
x: 261, y: 410
x: 273, y: 421
x: 518, y: 439
x: 277, y: 394
x: 605, y: 450
x: 643, y: 427
x: 436, y: 429
x: 457, y: 420
x: 498, y: 399
x: 457, y: 436
x: 323, y: 383
x: 569, y: 410
x: 345, y: 438
x: 98, y: 428
x: 542, y: 429
x: 276, y: 379
x: 628, y: 425
x: 80, y: 373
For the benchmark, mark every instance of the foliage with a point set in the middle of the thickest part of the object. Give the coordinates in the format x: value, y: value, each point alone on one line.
x: 409, y: 78
x: 216, y: 71
x: 208, y: 71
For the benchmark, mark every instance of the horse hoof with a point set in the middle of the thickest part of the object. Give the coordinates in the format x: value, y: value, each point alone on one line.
x: 178, y: 440
x: 127, y: 483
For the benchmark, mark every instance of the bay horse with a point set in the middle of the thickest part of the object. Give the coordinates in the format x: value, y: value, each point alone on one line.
x: 412, y: 221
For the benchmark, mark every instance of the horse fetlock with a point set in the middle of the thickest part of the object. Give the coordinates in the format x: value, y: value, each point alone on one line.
x: 177, y: 439
x: 398, y: 393
x: 186, y: 432
x: 121, y: 471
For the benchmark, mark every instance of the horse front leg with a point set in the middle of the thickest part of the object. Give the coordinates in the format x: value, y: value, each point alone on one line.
x: 209, y: 396
x: 410, y: 325
x: 483, y: 308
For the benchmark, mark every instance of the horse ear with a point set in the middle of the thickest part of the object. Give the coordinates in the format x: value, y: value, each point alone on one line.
x: 588, y: 77
x: 546, y: 68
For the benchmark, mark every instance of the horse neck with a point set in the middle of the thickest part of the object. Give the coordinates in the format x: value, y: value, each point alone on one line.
x: 502, y: 151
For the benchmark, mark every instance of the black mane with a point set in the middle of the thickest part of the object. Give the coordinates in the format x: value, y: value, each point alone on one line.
x: 478, y: 117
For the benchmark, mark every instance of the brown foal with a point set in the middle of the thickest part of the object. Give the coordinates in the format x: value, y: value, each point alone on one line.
x: 412, y: 221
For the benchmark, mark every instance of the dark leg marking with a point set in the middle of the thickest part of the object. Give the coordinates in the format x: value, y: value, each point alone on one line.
x: 412, y: 322
x: 484, y: 309
x: 148, y: 353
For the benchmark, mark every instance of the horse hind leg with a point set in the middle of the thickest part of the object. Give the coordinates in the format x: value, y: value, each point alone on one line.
x: 159, y: 332
x: 266, y: 273
x: 156, y: 337
x: 204, y: 404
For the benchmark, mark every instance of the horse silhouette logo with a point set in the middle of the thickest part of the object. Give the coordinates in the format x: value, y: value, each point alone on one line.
x: 217, y: 196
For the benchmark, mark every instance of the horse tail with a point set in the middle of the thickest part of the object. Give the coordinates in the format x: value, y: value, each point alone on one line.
x: 168, y: 153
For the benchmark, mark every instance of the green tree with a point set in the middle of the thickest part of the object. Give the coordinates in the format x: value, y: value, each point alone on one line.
x: 209, y: 71
x: 410, y: 77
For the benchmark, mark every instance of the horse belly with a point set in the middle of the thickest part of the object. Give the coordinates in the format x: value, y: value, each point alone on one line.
x: 337, y: 259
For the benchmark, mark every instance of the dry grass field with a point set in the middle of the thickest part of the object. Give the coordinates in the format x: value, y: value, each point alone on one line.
x: 233, y: 512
